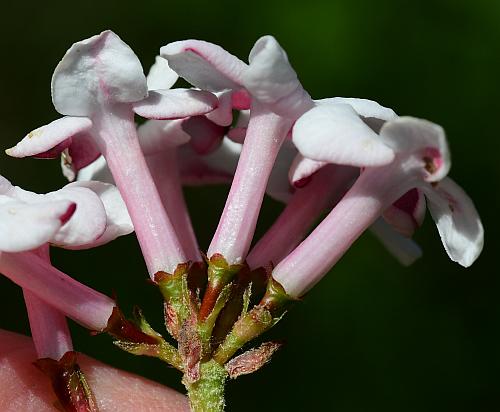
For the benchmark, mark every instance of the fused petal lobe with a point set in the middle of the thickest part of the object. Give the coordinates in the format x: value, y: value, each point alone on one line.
x: 336, y: 134
x: 94, y: 71
x: 204, y: 65
x: 175, y: 104
x: 57, y: 133
x: 457, y: 221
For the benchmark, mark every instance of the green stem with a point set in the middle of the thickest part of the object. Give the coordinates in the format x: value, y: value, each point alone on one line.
x: 207, y: 394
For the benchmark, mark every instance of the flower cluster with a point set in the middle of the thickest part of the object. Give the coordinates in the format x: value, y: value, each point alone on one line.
x: 252, y: 125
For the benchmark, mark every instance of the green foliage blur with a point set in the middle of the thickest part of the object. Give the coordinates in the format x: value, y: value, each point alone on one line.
x: 372, y: 336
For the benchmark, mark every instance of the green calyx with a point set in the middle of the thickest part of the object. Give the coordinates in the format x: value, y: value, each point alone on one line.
x: 207, y: 393
x: 276, y: 300
x: 253, y: 323
x: 212, y: 311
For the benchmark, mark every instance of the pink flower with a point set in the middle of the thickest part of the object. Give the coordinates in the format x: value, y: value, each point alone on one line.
x: 422, y: 161
x: 99, y: 85
x: 80, y: 215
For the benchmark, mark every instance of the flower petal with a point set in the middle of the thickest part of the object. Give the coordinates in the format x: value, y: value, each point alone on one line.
x: 407, y: 213
x: 423, y: 141
x: 81, y: 152
x: 336, y: 134
x: 457, y: 221
x: 161, y: 76
x: 101, y: 68
x: 204, y: 65
x: 175, y: 104
x: 271, y: 79
x: 118, y: 221
x: 223, y: 115
x: 57, y: 133
x: 405, y: 250
x: 88, y: 222
x: 364, y: 107
x: 238, y: 133
x: 158, y: 135
x: 302, y: 169
x: 278, y: 185
x: 216, y: 167
x: 25, y: 226
x: 206, y: 136
x: 97, y: 170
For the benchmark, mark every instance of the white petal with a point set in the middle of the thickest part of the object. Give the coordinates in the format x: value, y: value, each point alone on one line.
x: 97, y: 170
x: 302, y: 169
x: 101, y: 68
x: 161, y: 76
x: 205, y: 65
x: 278, y: 185
x: 223, y: 114
x: 421, y: 140
x: 365, y: 108
x: 47, y: 137
x: 271, y: 79
x: 25, y: 226
x: 175, y: 104
x: 216, y: 167
x: 336, y: 134
x: 457, y: 221
x: 88, y: 222
x: 118, y: 221
x: 405, y: 250
x: 5, y: 185
x: 158, y: 135
x: 407, y: 213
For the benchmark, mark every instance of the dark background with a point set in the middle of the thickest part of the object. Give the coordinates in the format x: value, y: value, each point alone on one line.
x: 373, y: 336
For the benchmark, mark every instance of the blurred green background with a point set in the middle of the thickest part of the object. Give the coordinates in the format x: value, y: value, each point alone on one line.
x: 373, y: 336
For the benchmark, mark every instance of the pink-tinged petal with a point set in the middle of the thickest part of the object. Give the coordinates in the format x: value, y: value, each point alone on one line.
x: 5, y: 186
x: 97, y: 170
x: 336, y: 134
x: 118, y: 221
x: 423, y: 142
x: 99, y: 69
x: 271, y: 79
x: 159, y: 135
x: 364, y: 107
x: 302, y: 169
x: 175, y: 104
x: 407, y: 213
x: 161, y: 76
x: 26, y: 226
x: 238, y: 133
x: 223, y: 115
x: 206, y: 136
x: 405, y: 250
x: 243, y: 119
x: 81, y: 152
x: 278, y: 185
x: 205, y: 65
x: 457, y: 221
x: 214, y: 168
x: 87, y: 224
x: 241, y: 100
x: 57, y: 134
